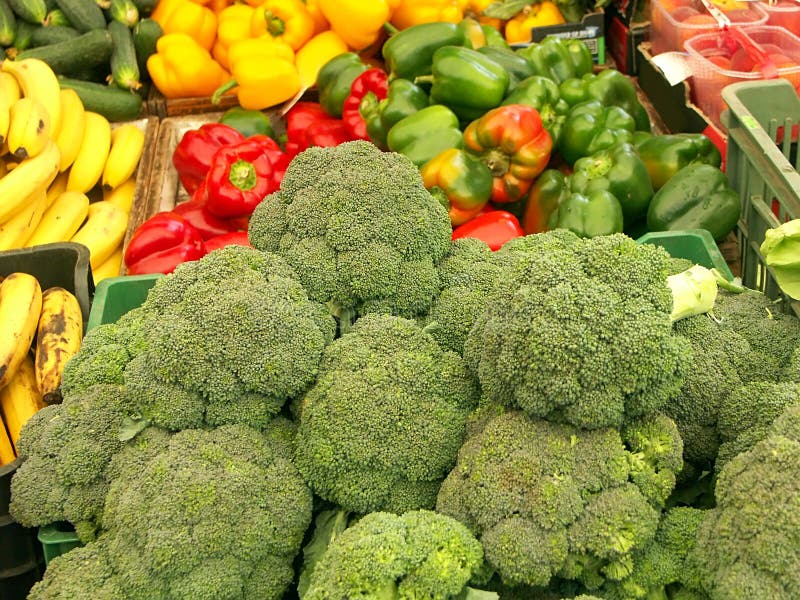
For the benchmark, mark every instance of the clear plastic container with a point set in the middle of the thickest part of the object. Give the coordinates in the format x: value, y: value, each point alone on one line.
x: 718, y: 60
x: 672, y: 22
x: 783, y: 13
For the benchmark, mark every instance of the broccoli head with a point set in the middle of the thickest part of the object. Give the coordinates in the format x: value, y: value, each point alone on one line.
x: 419, y: 554
x: 381, y: 426
x: 549, y: 500
x: 579, y: 331
x: 792, y: 370
x: 359, y: 228
x: 209, y: 514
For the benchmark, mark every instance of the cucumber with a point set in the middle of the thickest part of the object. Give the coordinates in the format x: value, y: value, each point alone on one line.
x: 145, y: 36
x: 111, y: 102
x: 83, y: 52
x: 145, y: 6
x: 57, y: 18
x: 8, y: 24
x: 22, y: 38
x: 44, y: 36
x: 124, y: 68
x: 31, y: 11
x: 84, y: 15
x: 124, y: 11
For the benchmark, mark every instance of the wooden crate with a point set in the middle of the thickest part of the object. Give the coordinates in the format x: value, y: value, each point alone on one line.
x: 158, y: 105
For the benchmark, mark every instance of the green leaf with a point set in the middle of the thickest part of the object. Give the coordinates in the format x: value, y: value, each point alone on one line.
x: 505, y: 9
x: 131, y: 427
x: 473, y: 594
x: 327, y: 526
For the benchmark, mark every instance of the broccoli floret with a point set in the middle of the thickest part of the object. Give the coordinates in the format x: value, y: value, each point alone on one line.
x: 747, y: 546
x: 792, y: 370
x: 358, y: 227
x: 579, y: 331
x: 66, y: 449
x: 747, y: 413
x: 215, y: 514
x: 381, y: 427
x: 549, y: 500
x: 419, y: 554
x: 101, y: 360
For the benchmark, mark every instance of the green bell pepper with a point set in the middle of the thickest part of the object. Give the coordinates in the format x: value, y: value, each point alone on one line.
x: 547, y: 192
x: 610, y: 87
x: 542, y: 94
x: 425, y: 134
x: 597, y: 213
x: 591, y: 127
x: 248, y: 122
x: 517, y: 67
x: 665, y: 155
x: 696, y: 197
x: 619, y: 170
x: 403, y: 98
x: 409, y: 53
x: 466, y: 81
x: 559, y: 58
x: 460, y: 181
x: 334, y: 80
x: 492, y: 37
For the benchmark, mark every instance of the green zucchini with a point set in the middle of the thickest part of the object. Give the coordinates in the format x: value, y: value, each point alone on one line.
x: 32, y: 11
x: 44, y: 36
x: 145, y: 6
x: 22, y: 38
x: 110, y: 101
x: 86, y: 51
x: 145, y: 36
x: 124, y: 11
x: 124, y: 68
x: 8, y: 24
x: 84, y: 15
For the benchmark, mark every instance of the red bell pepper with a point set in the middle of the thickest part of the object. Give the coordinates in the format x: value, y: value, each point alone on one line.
x: 495, y: 228
x: 207, y: 225
x: 369, y: 87
x: 308, y: 125
x: 226, y: 239
x: 241, y: 175
x: 279, y: 159
x: 161, y: 243
x: 193, y: 154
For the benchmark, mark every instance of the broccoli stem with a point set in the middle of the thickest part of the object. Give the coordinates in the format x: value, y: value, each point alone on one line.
x: 694, y: 292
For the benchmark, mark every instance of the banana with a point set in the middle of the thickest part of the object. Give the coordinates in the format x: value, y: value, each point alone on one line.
x: 20, y: 398
x: 5, y: 116
x: 127, y: 143
x: 61, y: 220
x: 73, y: 123
x: 58, y: 187
x: 91, y: 160
x: 7, y: 453
x: 30, y: 175
x: 37, y: 80
x: 9, y: 87
x: 122, y: 195
x: 58, y: 337
x: 103, y: 231
x: 15, y: 232
x: 110, y: 268
x: 29, y: 130
x: 20, y: 307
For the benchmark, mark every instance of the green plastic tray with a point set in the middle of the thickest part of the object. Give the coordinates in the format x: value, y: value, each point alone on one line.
x: 57, y: 539
x: 115, y: 296
x: 696, y: 245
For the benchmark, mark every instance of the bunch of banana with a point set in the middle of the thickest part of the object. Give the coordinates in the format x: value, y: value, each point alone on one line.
x: 55, y: 158
x: 39, y: 332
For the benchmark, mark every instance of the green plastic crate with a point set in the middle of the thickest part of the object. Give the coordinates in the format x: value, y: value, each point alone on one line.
x: 696, y: 245
x: 115, y: 296
x: 762, y: 165
x: 57, y: 539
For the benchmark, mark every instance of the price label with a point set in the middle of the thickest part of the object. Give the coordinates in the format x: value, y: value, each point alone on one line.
x: 674, y: 65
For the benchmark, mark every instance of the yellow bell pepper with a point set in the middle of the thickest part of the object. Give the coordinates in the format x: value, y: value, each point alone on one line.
x: 219, y: 5
x: 233, y: 24
x: 163, y: 9
x: 264, y: 73
x: 320, y: 22
x: 358, y: 22
x: 518, y: 28
x: 198, y: 21
x: 415, y: 12
x: 181, y: 68
x: 286, y: 20
x: 315, y: 53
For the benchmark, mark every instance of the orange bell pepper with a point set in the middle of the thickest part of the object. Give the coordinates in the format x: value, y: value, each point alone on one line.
x: 475, y: 9
x: 315, y: 53
x: 518, y: 28
x: 219, y: 5
x: 358, y: 22
x: 416, y: 12
x: 320, y: 22
x: 181, y: 68
x: 286, y: 20
x: 185, y: 16
x: 233, y: 24
x: 264, y: 73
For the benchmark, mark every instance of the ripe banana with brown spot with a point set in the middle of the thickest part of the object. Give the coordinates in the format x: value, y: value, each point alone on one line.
x: 37, y: 80
x: 20, y: 307
x: 122, y: 195
x: 58, y: 338
x: 29, y: 129
x: 20, y: 398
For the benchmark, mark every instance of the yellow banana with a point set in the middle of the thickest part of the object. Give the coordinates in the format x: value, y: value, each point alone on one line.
x: 58, y: 337
x: 29, y: 130
x: 15, y: 232
x: 91, y: 159
x: 9, y: 87
x: 122, y: 195
x: 103, y: 231
x: 61, y: 220
x: 110, y: 268
x: 20, y: 307
x: 73, y: 122
x: 5, y: 116
x: 37, y: 80
x: 30, y: 175
x: 7, y: 453
x: 127, y: 143
x: 58, y: 187
x: 20, y: 399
